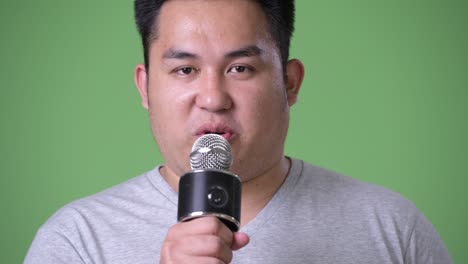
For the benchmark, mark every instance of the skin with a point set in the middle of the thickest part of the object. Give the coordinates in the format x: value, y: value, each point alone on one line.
x: 214, y: 69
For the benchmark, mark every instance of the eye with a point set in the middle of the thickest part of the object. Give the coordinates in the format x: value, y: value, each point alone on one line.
x: 242, y: 71
x: 185, y: 70
x: 238, y: 69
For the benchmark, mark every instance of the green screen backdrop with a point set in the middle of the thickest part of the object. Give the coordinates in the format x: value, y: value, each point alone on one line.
x: 384, y: 100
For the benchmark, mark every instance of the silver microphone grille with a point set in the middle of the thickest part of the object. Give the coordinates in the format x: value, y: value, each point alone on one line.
x: 211, y: 151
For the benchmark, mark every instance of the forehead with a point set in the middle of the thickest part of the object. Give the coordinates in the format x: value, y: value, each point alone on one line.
x: 211, y: 24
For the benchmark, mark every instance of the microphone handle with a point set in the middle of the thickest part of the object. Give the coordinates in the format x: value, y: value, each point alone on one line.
x: 210, y: 192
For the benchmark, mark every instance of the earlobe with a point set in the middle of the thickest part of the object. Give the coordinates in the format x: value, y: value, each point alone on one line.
x: 295, y: 75
x: 141, y: 82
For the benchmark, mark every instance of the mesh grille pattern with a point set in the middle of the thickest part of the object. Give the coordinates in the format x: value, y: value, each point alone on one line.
x: 211, y: 151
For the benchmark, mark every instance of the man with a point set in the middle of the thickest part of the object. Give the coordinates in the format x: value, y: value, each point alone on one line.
x: 222, y: 67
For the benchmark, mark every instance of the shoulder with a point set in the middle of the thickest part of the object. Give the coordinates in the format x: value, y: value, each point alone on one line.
x: 92, y: 228
x: 372, y: 209
x: 326, y: 181
x: 124, y: 197
x: 357, y: 201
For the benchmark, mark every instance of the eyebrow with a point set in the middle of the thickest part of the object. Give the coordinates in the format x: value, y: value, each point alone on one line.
x: 178, y: 54
x: 248, y: 51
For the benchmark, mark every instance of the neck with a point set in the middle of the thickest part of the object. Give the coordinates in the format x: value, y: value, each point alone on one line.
x: 257, y: 192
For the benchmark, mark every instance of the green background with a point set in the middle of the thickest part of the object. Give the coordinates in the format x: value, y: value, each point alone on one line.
x: 384, y: 100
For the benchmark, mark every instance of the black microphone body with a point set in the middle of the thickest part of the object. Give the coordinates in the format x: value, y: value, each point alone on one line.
x: 210, y: 192
x: 210, y: 189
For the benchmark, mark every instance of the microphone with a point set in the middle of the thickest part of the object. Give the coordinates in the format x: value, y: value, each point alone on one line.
x: 210, y: 189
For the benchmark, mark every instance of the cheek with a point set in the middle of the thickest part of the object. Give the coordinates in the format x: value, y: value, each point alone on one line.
x: 167, y: 97
x: 169, y: 109
x: 262, y: 105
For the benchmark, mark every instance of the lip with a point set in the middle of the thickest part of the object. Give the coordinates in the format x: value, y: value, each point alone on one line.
x: 223, y: 130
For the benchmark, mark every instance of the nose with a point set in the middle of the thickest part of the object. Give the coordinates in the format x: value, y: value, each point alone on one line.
x: 212, y: 93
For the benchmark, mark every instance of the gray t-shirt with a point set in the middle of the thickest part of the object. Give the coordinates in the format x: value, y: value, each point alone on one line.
x: 316, y: 216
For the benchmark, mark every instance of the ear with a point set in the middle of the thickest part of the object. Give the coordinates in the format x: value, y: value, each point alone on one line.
x: 294, y: 75
x: 141, y: 82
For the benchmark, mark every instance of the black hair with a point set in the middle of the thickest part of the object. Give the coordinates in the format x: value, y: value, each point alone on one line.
x: 279, y: 15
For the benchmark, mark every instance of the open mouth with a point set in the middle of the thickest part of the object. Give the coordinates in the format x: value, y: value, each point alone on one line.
x: 214, y: 132
x: 224, y: 134
x: 223, y: 131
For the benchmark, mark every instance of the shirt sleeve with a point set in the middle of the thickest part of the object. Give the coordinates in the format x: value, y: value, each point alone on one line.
x: 425, y: 245
x: 53, y: 247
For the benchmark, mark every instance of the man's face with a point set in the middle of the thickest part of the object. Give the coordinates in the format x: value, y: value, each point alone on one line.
x: 214, y: 69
